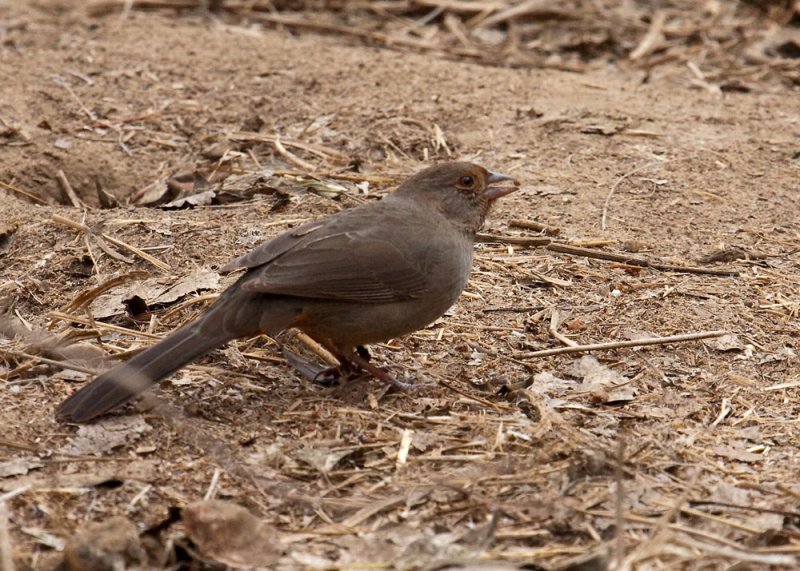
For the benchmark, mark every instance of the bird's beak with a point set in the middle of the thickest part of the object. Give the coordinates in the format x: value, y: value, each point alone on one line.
x: 493, y: 192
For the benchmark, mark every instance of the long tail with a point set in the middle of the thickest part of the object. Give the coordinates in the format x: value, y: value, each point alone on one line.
x: 128, y: 380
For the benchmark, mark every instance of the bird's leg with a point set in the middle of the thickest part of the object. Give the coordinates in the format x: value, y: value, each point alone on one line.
x: 329, y: 376
x: 358, y: 359
x: 325, y: 376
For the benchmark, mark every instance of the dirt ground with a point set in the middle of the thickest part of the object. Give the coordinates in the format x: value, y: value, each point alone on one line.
x: 145, y: 144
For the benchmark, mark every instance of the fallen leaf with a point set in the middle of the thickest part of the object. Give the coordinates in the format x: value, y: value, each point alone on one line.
x: 106, y: 435
x: 202, y: 279
x: 607, y: 385
x: 783, y: 354
x: 157, y: 192
x: 322, y: 459
x: 18, y: 467
x: 736, y: 454
x: 111, y: 544
x: 154, y: 291
x: 199, y: 199
x: 6, y: 231
x: 229, y: 534
x: 549, y: 384
x: 729, y: 342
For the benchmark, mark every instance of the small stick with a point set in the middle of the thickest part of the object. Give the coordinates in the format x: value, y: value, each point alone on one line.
x: 14, y: 493
x: 66, y: 317
x: 19, y: 445
x: 535, y: 226
x: 757, y: 509
x: 142, y: 254
x: 462, y: 7
x: 440, y: 140
x: 405, y: 445
x: 515, y: 240
x: 212, y: 487
x: 187, y: 303
x: 22, y: 192
x: 592, y: 243
x: 133, y: 249
x: 68, y: 190
x: 619, y: 503
x: 77, y: 99
x: 457, y: 28
x: 292, y: 158
x: 63, y: 364
x: 6, y: 551
x: 469, y: 396
x: 519, y: 10
x: 652, y: 39
x: 600, y: 255
x: 359, y: 178
x: 634, y: 261
x: 693, y: 531
x: 619, y: 344
x: 555, y: 319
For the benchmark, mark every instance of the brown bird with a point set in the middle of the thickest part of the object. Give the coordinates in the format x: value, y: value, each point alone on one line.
x: 363, y: 275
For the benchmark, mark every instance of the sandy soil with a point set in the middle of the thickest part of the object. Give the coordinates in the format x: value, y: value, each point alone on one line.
x: 682, y: 454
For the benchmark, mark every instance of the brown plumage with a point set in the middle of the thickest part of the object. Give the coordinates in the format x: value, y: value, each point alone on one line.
x: 363, y: 275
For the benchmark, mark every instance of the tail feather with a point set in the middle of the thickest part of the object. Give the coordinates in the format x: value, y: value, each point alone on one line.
x: 128, y: 380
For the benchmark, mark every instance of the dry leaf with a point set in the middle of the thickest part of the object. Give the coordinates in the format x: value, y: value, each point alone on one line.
x: 321, y: 459
x: 156, y: 192
x: 106, y: 435
x: 549, y: 384
x: 607, y: 385
x: 736, y: 454
x: 198, y: 199
x: 105, y: 545
x: 728, y: 342
x: 18, y: 467
x: 154, y: 291
x: 229, y: 534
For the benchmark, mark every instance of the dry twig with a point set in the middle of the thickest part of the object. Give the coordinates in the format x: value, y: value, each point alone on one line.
x: 620, y: 344
x: 133, y: 249
x: 25, y: 193
x: 635, y: 261
x: 66, y: 187
x: 6, y: 550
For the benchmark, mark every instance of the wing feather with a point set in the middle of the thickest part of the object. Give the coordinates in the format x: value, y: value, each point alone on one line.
x: 344, y: 257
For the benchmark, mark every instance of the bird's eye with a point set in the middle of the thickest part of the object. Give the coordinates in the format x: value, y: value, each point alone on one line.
x: 467, y: 181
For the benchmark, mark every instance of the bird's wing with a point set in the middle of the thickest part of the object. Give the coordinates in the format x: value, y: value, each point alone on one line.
x: 268, y: 251
x: 346, y: 257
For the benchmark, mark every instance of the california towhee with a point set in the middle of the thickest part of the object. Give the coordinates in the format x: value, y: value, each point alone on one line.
x: 363, y: 275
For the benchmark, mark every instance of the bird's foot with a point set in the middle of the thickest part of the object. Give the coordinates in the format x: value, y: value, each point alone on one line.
x: 330, y: 376
x: 357, y: 359
x: 325, y: 376
x: 349, y: 365
x: 363, y: 352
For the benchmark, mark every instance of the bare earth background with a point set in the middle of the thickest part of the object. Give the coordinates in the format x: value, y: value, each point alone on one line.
x: 669, y: 133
